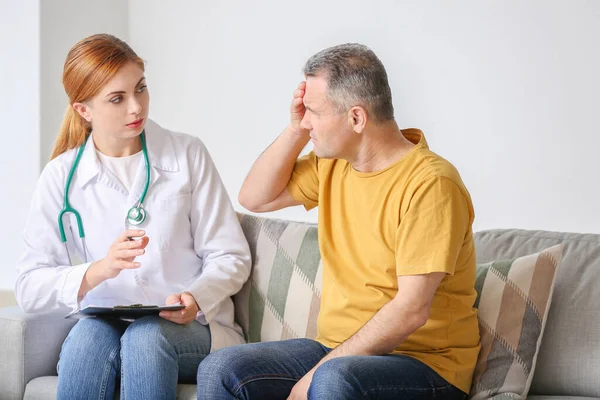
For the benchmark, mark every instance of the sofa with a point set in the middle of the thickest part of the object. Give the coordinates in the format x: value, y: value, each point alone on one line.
x: 281, y: 300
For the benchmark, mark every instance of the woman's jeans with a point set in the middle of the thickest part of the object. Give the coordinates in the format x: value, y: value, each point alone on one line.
x: 148, y: 356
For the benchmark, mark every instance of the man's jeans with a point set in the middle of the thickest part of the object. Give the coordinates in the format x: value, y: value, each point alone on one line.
x: 149, y: 356
x: 269, y: 371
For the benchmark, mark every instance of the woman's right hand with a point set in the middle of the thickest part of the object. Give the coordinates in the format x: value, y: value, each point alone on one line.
x: 122, y: 253
x: 120, y: 256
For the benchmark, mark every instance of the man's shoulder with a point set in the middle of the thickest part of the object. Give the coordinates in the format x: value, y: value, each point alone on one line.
x: 428, y: 165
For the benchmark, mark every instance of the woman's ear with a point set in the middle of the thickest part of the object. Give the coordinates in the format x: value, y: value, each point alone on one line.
x: 83, y: 110
x: 357, y: 118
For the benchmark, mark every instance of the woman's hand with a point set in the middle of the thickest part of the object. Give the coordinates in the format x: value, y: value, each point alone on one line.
x: 122, y: 253
x: 184, y: 316
x: 120, y: 256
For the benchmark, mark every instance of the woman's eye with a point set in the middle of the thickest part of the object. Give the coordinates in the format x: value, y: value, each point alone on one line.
x: 142, y: 88
x: 116, y: 100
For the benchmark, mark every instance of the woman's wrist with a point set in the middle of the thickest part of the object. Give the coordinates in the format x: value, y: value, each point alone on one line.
x: 91, y: 278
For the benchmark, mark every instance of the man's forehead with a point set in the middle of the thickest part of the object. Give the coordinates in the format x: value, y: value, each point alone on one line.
x: 316, y: 84
x: 315, y: 90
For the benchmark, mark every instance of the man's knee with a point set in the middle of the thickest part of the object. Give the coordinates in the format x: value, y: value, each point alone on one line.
x: 335, y: 376
x: 227, y: 364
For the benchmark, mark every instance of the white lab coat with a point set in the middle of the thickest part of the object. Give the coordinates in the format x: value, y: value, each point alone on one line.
x: 196, y: 242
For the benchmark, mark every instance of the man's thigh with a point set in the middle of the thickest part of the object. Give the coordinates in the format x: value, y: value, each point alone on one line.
x: 380, y: 377
x: 260, y: 370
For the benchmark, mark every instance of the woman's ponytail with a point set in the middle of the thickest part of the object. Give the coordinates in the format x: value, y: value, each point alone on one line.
x: 73, y: 132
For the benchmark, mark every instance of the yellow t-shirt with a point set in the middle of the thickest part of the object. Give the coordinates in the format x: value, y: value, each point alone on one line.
x: 413, y: 217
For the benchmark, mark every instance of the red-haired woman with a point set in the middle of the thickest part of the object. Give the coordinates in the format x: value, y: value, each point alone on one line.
x: 129, y: 212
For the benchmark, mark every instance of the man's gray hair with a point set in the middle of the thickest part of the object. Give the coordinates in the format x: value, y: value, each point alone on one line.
x: 355, y: 76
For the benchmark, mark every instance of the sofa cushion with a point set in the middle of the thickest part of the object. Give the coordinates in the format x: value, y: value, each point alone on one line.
x: 283, y: 294
x: 569, y: 359
x: 44, y: 388
x: 513, y: 300
x: 560, y: 398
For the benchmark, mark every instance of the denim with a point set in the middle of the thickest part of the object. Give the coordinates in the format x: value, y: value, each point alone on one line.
x: 270, y: 370
x: 148, y: 357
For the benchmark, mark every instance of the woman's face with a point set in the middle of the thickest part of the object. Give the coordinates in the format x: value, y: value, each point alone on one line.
x: 120, y: 109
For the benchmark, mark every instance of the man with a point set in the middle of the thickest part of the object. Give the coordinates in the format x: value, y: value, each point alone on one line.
x: 395, y: 233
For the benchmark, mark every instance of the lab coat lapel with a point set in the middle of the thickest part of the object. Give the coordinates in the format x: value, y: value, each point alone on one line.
x: 161, y: 155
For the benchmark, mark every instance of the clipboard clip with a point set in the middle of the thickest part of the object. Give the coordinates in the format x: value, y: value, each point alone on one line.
x: 135, y: 306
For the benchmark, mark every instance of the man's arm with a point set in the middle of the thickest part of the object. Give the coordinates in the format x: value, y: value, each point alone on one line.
x: 389, y: 327
x: 394, y: 322
x: 264, y: 189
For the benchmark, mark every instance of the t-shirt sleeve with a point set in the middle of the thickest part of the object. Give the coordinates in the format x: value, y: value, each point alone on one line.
x: 304, y: 182
x: 433, y: 228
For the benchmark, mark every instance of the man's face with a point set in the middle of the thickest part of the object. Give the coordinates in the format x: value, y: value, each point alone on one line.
x: 330, y: 131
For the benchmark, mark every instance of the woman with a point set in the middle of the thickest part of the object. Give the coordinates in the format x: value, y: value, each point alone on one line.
x: 145, y: 211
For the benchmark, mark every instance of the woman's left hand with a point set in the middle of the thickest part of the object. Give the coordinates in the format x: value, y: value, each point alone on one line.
x: 184, y: 316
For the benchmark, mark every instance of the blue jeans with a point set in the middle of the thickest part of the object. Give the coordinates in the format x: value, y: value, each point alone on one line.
x: 270, y: 370
x: 149, y: 356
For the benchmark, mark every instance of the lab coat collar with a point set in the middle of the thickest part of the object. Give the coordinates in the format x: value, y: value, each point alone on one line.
x: 161, y: 154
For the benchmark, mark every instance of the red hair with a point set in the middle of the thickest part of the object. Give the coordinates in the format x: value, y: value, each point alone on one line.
x: 90, y: 64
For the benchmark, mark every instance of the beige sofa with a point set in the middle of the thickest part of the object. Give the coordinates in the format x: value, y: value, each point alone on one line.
x: 286, y: 259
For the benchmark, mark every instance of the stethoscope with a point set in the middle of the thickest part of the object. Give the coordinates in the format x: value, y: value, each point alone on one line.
x: 135, y: 216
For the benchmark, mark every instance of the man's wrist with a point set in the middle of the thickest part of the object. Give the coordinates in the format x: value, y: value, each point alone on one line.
x: 297, y: 134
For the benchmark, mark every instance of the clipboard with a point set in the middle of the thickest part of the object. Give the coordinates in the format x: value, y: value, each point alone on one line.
x: 132, y: 311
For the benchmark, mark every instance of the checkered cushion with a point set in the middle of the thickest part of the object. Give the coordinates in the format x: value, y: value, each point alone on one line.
x: 513, y: 301
x: 284, y: 290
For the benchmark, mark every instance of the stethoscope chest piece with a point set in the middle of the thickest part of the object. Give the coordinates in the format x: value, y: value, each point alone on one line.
x: 136, y: 215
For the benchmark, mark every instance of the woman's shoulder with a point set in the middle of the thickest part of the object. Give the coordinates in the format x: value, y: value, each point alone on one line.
x: 59, y: 166
x: 177, y: 138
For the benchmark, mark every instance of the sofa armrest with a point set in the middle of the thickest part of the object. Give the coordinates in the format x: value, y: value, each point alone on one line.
x: 29, y: 348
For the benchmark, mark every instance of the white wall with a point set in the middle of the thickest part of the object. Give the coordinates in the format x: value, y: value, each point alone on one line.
x: 505, y: 90
x: 20, y: 117
x: 84, y: 18
x: 35, y: 37
x: 508, y: 91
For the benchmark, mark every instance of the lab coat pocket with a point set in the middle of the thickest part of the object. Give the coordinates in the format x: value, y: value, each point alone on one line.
x: 173, y: 222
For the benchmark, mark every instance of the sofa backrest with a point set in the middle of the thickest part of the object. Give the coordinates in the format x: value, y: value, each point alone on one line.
x: 282, y: 297
x: 569, y: 359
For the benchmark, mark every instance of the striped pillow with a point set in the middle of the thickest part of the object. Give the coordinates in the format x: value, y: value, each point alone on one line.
x: 513, y: 301
x: 283, y: 295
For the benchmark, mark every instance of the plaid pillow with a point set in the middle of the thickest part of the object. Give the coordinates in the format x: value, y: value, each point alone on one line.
x: 281, y: 299
x: 513, y: 301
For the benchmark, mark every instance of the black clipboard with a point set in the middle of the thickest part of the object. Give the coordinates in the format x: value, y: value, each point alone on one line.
x: 132, y: 311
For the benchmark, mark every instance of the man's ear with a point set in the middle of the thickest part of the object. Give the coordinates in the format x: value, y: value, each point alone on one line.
x: 357, y: 118
x: 83, y: 110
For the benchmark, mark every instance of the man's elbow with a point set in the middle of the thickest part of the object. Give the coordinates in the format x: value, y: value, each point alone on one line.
x: 415, y: 315
x: 248, y: 203
x: 421, y: 317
